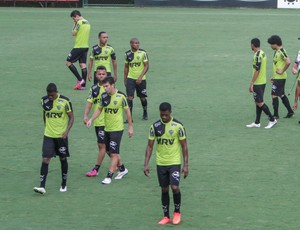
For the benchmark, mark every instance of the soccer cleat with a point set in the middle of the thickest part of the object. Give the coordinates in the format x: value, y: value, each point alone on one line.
x: 289, y: 115
x: 82, y: 88
x: 253, y: 125
x: 176, y: 218
x: 165, y: 220
x: 78, y: 85
x: 63, y: 188
x: 271, y: 124
x: 92, y: 173
x: 39, y: 190
x: 121, y: 174
x: 106, y: 181
x: 145, y: 116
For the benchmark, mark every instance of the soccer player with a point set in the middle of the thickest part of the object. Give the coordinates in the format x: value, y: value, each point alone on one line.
x: 92, y: 102
x: 258, y: 84
x: 112, y: 104
x: 281, y: 63
x: 296, y: 71
x: 135, y: 69
x: 171, y: 140
x: 58, y: 119
x: 102, y: 54
x: 81, y: 31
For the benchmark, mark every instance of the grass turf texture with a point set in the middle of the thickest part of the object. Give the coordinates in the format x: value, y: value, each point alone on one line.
x: 200, y: 62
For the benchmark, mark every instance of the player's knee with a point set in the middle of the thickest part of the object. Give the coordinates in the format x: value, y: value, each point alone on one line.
x: 68, y: 63
x: 82, y: 65
x: 46, y: 160
x: 175, y: 189
x: 164, y: 189
x: 130, y: 98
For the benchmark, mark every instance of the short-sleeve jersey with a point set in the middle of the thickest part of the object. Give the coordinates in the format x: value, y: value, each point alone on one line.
x: 260, y: 64
x: 135, y: 61
x: 102, y: 56
x: 279, y: 58
x: 94, y: 98
x: 82, y: 36
x: 168, y: 137
x: 112, y: 106
x: 297, y: 61
x: 56, y: 115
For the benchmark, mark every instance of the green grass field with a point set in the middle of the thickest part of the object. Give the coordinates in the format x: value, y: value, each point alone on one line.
x: 200, y: 62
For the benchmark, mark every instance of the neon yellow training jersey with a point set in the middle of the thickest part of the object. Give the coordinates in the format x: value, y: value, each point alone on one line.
x: 260, y: 64
x: 136, y: 61
x: 82, y: 36
x: 56, y: 115
x: 94, y: 98
x: 279, y: 58
x: 168, y: 137
x: 102, y: 56
x: 112, y: 106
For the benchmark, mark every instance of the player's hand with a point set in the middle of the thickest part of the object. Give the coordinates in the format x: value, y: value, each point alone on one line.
x: 294, y: 71
x: 89, y: 123
x: 185, y: 171
x: 295, y: 106
x: 279, y: 71
x: 139, y: 81
x: 146, y: 170
x: 89, y: 77
x: 251, y: 88
x: 115, y: 78
x: 271, y: 79
x: 85, y: 120
x: 65, y: 135
x: 130, y: 131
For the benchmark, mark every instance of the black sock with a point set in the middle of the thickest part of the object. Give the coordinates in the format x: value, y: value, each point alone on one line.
x: 121, y: 168
x: 275, y: 104
x: 165, y: 201
x: 84, y: 74
x: 266, y: 110
x: 130, y: 104
x: 258, y: 114
x: 177, y: 201
x: 109, y: 174
x: 97, y: 167
x: 64, y: 171
x: 75, y: 72
x: 286, y: 103
x: 43, y: 175
x: 144, y: 104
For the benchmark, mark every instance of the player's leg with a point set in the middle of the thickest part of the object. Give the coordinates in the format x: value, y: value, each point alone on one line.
x: 82, y: 64
x: 255, y: 124
x: 100, y: 134
x: 275, y: 101
x: 174, y: 172
x: 285, y: 99
x: 74, y: 56
x: 130, y: 89
x: 141, y: 91
x: 164, y: 182
x: 48, y: 151
x: 62, y: 150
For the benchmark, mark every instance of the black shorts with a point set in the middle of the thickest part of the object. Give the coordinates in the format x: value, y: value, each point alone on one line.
x: 258, y: 93
x: 278, y: 87
x: 96, y: 80
x: 131, y: 86
x: 78, y: 54
x: 100, y: 134
x: 168, y: 175
x: 55, y: 146
x: 113, y: 141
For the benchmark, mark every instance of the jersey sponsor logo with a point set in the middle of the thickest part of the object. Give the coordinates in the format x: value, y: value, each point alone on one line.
x: 101, y: 134
x: 96, y: 101
x: 101, y: 58
x: 53, y: 115
x: 111, y: 111
x: 135, y: 64
x: 151, y: 132
x: 180, y: 132
x: 113, y: 145
x: 176, y: 175
x: 173, y: 124
x: 164, y: 141
x: 62, y: 150
x: 157, y: 124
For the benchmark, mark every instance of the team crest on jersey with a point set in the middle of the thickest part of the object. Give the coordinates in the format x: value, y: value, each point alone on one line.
x: 115, y: 102
x: 106, y: 52
x: 138, y: 57
x: 171, y: 131
x: 58, y: 107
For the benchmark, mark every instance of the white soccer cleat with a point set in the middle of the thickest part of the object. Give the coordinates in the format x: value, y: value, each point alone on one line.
x: 271, y: 124
x: 106, y: 181
x: 253, y: 125
x: 39, y: 190
x: 63, y: 189
x: 121, y: 174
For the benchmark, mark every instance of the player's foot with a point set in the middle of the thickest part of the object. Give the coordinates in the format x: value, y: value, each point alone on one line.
x: 253, y: 125
x: 289, y: 115
x: 165, y: 220
x: 276, y: 117
x: 121, y: 174
x: 78, y: 85
x: 92, y: 173
x: 271, y: 124
x: 106, y: 181
x: 82, y: 88
x: 63, y: 188
x: 176, y: 218
x: 39, y: 190
x: 145, y: 116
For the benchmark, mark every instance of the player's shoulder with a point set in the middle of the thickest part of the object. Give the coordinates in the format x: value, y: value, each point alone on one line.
x: 128, y: 52
x: 121, y: 93
x: 157, y: 124
x: 142, y: 51
x: 175, y: 122
x: 62, y: 97
x: 109, y: 46
x: 95, y: 47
